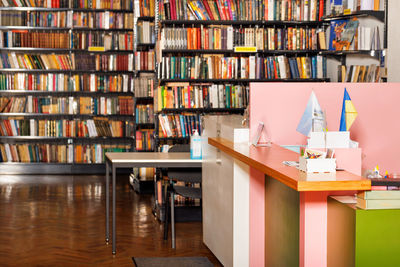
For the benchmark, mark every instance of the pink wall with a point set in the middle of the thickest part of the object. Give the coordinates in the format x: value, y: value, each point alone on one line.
x: 281, y: 105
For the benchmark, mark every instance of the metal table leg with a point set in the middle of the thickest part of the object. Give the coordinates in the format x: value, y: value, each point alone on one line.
x: 114, y: 249
x: 107, y: 202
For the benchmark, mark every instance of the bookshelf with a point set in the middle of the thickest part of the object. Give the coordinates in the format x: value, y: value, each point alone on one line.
x: 66, y: 84
x: 222, y: 47
x: 145, y: 76
x: 363, y: 59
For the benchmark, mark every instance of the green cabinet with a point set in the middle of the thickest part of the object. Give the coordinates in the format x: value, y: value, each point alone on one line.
x: 362, y: 238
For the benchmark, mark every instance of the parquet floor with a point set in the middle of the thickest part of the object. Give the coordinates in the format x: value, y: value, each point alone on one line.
x: 60, y: 221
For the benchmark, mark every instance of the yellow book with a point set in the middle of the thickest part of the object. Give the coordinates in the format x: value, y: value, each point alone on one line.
x: 28, y: 62
x: 159, y: 99
x: 54, y: 61
x: 303, y: 67
x: 77, y: 85
x: 152, y: 9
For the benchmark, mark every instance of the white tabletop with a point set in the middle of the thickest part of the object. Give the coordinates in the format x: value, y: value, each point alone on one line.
x: 150, y: 157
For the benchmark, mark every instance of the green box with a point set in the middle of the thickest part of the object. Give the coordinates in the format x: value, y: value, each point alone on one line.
x: 362, y: 238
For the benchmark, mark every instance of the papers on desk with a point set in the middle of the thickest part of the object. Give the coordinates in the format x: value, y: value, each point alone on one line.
x: 291, y: 164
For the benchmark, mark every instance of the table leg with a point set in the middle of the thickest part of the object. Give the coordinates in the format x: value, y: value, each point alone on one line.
x: 107, y: 202
x: 114, y: 249
x: 173, y: 219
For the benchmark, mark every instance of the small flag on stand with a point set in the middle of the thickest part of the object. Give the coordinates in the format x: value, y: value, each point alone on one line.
x: 349, y: 113
x: 312, y: 117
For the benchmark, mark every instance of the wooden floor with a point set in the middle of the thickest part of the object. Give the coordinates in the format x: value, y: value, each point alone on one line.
x: 60, y: 221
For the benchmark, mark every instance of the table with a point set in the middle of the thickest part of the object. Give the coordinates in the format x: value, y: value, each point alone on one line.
x: 287, y: 213
x: 116, y: 160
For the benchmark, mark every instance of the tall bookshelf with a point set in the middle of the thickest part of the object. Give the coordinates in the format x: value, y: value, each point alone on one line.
x: 219, y: 47
x: 66, y: 86
x: 145, y: 79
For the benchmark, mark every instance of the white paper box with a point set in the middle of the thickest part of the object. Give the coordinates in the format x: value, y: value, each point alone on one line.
x: 316, y: 140
x: 317, y: 165
x: 337, y: 139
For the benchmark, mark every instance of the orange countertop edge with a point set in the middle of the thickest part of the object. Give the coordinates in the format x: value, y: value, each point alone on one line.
x: 269, y: 161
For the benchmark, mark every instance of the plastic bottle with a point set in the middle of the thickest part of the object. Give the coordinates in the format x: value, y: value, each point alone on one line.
x: 195, y: 146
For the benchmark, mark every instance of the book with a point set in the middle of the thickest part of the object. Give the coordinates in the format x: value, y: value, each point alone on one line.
x: 388, y: 194
x: 378, y: 203
x: 336, y: 30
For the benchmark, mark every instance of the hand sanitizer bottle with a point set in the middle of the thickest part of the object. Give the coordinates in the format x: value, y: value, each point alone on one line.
x: 195, y: 146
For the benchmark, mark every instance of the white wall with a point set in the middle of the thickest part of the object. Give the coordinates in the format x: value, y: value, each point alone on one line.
x: 393, y: 51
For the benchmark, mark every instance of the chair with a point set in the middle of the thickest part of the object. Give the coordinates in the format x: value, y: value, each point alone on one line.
x: 188, y: 175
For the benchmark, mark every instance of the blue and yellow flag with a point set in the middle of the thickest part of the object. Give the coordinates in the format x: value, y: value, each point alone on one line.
x: 349, y: 113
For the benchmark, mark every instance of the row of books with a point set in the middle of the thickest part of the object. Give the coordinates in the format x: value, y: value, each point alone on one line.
x: 187, y: 201
x: 338, y: 7
x: 228, y: 37
x: 202, y: 96
x: 53, y: 153
x: 281, y: 67
x: 103, y: 62
x: 43, y: 61
x: 251, y: 67
x: 145, y: 140
x: 103, y: 20
x: 144, y: 113
x: 36, y: 39
x: 145, y: 60
x: 56, y: 19
x: 108, y: 40
x: 94, y: 4
x: 146, y: 32
x: 66, y: 128
x: 98, y: 62
x: 102, y: 4
x: 271, y: 10
x: 179, y: 125
x: 61, y: 82
x: 80, y: 40
x: 360, y: 73
x: 346, y: 34
x: 145, y: 8
x: 66, y: 19
x: 144, y: 85
x: 122, y: 105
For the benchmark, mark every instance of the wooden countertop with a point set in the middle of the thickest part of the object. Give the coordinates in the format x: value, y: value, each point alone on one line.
x: 269, y: 161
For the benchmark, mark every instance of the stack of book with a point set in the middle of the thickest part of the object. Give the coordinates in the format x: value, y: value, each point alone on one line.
x: 369, y: 200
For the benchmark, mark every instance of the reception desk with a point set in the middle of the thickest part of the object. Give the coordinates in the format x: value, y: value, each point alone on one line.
x: 293, y: 228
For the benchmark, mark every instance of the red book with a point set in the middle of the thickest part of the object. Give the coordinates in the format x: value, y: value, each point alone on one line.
x: 29, y: 82
x: 173, y: 9
x: 8, y: 127
x: 189, y: 99
x: 198, y: 38
x: 126, y: 41
x: 54, y: 84
x: 205, y: 3
x: 221, y: 10
x: 321, y: 9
